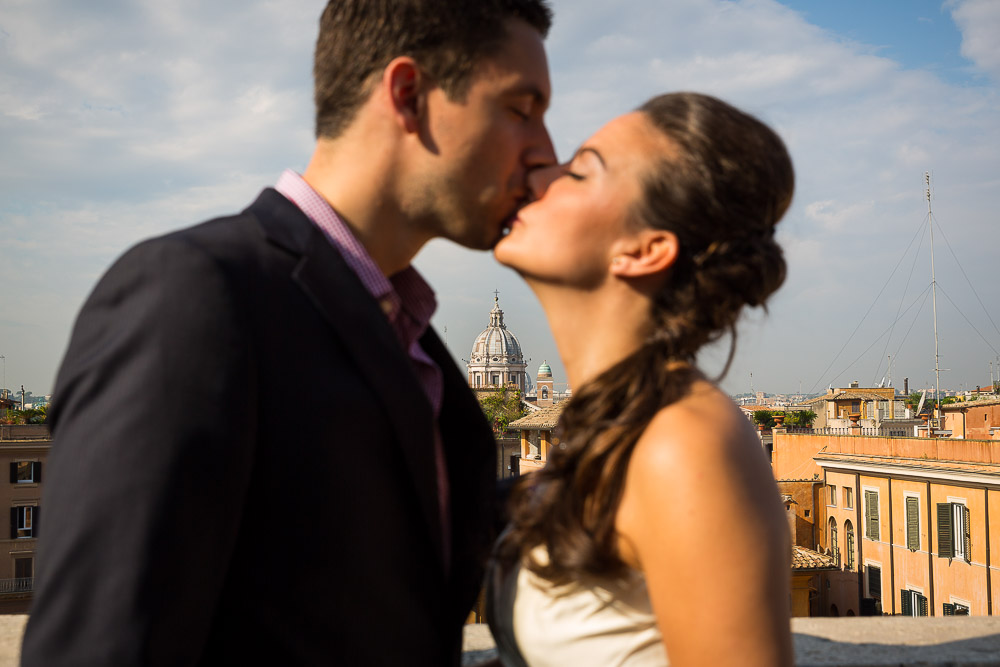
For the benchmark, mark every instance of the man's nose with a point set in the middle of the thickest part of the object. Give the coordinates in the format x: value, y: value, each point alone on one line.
x: 540, y: 152
x: 539, y: 158
x: 540, y: 178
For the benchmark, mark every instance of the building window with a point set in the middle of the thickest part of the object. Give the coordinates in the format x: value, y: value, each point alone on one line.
x: 871, y: 515
x: 954, y: 538
x: 913, y: 603
x: 496, y: 379
x: 849, y: 531
x: 833, y: 495
x: 848, y: 498
x: 955, y: 609
x: 545, y: 393
x: 834, y: 549
x: 25, y: 472
x: 856, y: 407
x: 873, y: 577
x: 912, y: 523
x: 23, y: 522
x: 23, y: 568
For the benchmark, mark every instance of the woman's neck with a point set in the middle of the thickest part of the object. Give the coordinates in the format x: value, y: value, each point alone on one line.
x: 594, y: 329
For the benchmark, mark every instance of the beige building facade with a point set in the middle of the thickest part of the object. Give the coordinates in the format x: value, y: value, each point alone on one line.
x: 912, y: 523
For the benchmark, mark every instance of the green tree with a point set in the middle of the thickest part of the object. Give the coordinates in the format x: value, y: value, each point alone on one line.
x: 763, y: 418
x: 501, y: 407
x: 801, y: 418
x: 28, y: 416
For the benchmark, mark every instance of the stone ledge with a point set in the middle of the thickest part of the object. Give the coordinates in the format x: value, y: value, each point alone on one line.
x: 819, y: 642
x: 858, y: 642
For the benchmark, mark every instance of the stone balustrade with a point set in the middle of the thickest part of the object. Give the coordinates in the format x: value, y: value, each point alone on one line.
x: 819, y: 642
x: 858, y: 642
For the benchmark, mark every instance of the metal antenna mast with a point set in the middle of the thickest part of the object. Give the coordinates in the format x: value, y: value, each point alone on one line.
x: 937, y: 365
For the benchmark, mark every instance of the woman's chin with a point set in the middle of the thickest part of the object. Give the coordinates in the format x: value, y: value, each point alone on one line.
x: 502, y: 251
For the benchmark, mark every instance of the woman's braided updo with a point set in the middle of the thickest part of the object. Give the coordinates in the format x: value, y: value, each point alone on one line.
x: 721, y: 192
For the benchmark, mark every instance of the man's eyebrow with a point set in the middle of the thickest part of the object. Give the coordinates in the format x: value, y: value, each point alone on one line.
x: 588, y: 149
x: 537, y: 96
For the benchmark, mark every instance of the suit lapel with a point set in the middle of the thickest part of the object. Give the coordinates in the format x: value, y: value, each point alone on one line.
x: 359, y: 323
x: 470, y: 451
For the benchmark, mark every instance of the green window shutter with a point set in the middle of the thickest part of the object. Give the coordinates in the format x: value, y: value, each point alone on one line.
x: 946, y: 545
x: 921, y: 605
x: 850, y: 549
x: 13, y: 472
x: 949, y: 609
x: 871, y: 503
x: 912, y: 524
x: 875, y: 516
x: 868, y: 514
x: 968, y: 533
x: 875, y: 581
x: 906, y: 603
x: 13, y: 523
x: 36, y: 468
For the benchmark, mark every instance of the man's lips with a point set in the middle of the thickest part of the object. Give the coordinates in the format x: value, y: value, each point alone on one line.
x: 513, y: 218
x: 509, y: 224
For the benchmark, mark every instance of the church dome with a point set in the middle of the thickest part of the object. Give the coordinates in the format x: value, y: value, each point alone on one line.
x: 545, y: 369
x: 496, y: 343
x: 496, y: 359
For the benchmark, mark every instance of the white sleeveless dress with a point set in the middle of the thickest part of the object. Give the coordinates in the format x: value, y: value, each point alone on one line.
x: 596, y: 622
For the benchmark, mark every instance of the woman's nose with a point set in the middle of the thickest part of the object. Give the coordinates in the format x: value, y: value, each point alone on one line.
x: 539, y: 179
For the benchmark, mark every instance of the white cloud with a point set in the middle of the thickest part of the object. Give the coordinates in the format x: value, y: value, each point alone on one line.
x: 836, y: 217
x: 121, y: 120
x: 979, y: 21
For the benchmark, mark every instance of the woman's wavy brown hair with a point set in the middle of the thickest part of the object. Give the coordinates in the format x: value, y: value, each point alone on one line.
x: 721, y: 193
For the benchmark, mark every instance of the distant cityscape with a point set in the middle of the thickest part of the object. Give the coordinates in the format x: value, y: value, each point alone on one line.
x: 887, y: 491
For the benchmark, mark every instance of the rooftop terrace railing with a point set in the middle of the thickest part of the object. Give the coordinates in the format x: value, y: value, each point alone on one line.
x: 21, y: 585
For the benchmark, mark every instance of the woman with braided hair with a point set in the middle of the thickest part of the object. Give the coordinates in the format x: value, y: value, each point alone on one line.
x: 655, y: 528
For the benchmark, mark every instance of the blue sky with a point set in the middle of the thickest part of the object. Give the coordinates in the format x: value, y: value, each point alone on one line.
x: 919, y: 34
x: 121, y: 121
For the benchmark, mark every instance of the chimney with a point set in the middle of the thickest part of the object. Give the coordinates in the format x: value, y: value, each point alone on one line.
x: 906, y: 386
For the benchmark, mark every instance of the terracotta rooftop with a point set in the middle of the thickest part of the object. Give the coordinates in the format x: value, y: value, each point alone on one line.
x: 935, y: 465
x: 544, y: 419
x: 849, y: 395
x: 807, y: 559
x: 857, y: 396
x: 981, y: 403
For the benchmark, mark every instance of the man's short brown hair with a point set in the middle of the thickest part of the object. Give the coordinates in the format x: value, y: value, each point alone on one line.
x: 358, y: 38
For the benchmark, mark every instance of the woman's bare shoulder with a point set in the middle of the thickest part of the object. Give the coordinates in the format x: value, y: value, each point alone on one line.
x: 703, y: 428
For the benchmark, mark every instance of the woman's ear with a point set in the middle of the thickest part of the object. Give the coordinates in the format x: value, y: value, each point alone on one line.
x: 647, y: 253
x: 404, y: 84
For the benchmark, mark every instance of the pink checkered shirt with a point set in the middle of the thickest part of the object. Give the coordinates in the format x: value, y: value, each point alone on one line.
x: 406, y: 299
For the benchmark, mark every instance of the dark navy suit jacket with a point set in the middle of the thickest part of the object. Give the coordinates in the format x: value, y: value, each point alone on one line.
x: 243, y: 466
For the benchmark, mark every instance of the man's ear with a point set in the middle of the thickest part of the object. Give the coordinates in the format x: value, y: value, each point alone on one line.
x: 405, y: 84
x: 647, y: 253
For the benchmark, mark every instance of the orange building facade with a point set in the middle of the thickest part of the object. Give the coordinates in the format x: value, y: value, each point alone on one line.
x: 979, y: 420
x: 913, y: 524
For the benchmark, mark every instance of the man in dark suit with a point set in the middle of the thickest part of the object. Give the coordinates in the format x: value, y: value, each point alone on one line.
x: 192, y: 517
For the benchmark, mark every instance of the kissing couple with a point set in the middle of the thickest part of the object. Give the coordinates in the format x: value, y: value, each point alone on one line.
x: 191, y: 521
